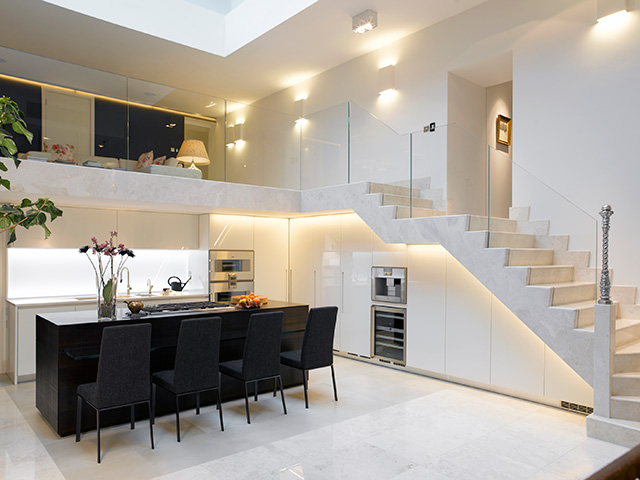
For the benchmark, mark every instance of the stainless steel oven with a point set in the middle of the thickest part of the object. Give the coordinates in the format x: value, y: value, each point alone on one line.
x: 230, y: 273
x: 222, y: 292
x: 229, y: 265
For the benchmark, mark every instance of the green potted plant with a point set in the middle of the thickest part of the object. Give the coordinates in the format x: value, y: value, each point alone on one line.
x: 26, y: 214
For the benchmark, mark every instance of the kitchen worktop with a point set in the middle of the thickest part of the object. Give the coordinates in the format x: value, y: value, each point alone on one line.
x: 87, y: 299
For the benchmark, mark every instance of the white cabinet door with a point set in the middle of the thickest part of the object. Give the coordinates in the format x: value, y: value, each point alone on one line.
x: 73, y: 229
x: 426, y: 307
x: 303, y: 261
x: 326, y: 237
x: 354, y: 334
x: 271, y: 253
x: 230, y: 232
x: 68, y: 119
x: 388, y: 254
x: 167, y: 231
x: 26, y: 339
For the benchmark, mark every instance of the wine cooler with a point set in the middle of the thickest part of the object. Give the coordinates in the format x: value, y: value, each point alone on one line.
x: 388, y: 333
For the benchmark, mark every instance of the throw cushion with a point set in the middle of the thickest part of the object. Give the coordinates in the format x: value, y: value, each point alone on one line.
x: 60, y: 151
x: 160, y: 160
x: 144, y: 160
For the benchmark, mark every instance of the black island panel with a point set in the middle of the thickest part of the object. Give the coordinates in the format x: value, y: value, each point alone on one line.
x: 68, y: 347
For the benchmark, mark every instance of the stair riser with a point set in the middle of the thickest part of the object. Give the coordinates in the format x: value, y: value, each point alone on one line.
x: 627, y: 335
x: 406, y: 212
x: 626, y: 386
x: 586, y: 317
x: 573, y: 294
x: 526, y: 258
x: 406, y: 201
x: 514, y: 240
x: 627, y: 363
x: 496, y: 224
x: 539, y: 276
x: 625, y: 410
x: 393, y: 190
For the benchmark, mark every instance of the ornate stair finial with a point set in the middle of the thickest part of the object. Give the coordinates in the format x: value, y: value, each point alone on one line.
x: 605, y: 282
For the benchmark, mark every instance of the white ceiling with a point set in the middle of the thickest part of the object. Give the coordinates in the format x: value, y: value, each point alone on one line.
x: 316, y: 39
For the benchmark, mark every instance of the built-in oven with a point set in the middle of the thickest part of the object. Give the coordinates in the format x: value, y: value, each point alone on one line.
x: 230, y: 265
x: 388, y: 329
x: 389, y: 284
x: 230, y: 273
x: 222, y: 291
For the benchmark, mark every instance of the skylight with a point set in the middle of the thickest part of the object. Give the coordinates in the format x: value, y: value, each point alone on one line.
x: 219, y: 27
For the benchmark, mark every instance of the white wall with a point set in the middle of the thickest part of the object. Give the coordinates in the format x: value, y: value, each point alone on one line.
x: 574, y: 106
x: 499, y: 102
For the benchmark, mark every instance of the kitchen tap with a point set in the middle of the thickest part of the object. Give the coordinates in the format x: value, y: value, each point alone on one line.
x: 128, y: 279
x: 149, y: 285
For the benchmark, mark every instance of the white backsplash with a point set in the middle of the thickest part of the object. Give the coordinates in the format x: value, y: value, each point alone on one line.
x: 35, y: 272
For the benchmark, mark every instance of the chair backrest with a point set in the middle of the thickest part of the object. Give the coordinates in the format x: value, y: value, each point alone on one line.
x: 197, y: 354
x: 317, y: 344
x: 123, y: 368
x: 262, y: 347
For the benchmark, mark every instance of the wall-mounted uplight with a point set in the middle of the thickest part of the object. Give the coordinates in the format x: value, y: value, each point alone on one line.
x: 364, y: 22
x: 298, y: 111
x: 230, y: 137
x: 387, y: 80
x: 611, y: 10
x: 238, y: 132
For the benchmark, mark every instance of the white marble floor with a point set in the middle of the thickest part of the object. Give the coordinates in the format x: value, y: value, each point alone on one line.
x: 388, y: 424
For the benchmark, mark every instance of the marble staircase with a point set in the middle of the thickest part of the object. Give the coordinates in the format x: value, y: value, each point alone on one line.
x: 551, y: 288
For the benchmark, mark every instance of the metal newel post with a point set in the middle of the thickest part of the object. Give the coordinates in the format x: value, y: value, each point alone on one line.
x: 605, y: 282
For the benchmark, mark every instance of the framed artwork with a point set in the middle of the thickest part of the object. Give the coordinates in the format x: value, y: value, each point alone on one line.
x: 503, y: 130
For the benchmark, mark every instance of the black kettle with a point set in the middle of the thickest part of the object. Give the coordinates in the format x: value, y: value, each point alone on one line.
x: 177, y: 286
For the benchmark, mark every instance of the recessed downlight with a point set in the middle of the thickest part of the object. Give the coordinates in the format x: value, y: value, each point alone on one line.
x: 151, y: 94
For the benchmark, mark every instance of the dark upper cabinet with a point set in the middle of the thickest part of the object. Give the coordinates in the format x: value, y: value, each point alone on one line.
x: 29, y: 100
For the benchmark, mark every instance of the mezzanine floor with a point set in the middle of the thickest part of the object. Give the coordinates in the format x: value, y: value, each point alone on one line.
x: 387, y: 425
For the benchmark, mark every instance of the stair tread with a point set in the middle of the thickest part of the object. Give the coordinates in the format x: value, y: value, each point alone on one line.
x: 566, y: 284
x: 626, y: 398
x: 620, y: 323
x: 542, y: 267
x: 628, y: 375
x: 633, y: 347
x: 577, y: 305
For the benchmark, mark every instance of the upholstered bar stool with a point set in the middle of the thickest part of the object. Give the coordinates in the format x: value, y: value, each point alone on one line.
x: 196, y: 365
x: 261, y: 357
x: 317, y: 346
x: 123, y: 378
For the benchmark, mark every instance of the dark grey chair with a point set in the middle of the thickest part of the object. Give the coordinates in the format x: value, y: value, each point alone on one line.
x: 317, y: 346
x: 123, y: 378
x: 261, y: 357
x: 196, y: 365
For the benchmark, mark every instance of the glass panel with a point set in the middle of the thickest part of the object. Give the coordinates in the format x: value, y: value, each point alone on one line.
x: 324, y: 149
x: 161, y: 118
x: 378, y: 154
x: 263, y: 147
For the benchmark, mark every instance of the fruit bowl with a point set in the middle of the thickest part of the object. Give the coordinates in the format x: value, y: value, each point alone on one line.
x: 249, y: 301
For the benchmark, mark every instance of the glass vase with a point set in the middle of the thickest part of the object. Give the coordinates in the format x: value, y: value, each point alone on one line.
x: 107, y: 295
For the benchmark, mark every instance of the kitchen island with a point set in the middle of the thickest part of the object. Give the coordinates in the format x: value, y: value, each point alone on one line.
x: 68, y: 347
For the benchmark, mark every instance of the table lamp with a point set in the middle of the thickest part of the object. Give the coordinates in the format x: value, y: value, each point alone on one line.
x: 193, y: 152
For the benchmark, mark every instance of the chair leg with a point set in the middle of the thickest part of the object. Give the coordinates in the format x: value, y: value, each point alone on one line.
x: 255, y: 391
x: 151, y: 425
x: 78, y: 418
x: 275, y: 385
x: 335, y: 390
x: 133, y: 416
x: 178, y: 417
x: 220, y: 408
x: 198, y: 403
x: 284, y: 406
x: 305, y: 386
x: 246, y: 401
x: 153, y: 404
x: 98, y: 432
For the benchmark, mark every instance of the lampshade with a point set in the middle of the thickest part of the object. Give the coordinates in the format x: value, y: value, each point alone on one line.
x: 193, y: 152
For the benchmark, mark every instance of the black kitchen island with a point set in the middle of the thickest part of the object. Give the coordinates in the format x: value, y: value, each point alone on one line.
x: 68, y: 347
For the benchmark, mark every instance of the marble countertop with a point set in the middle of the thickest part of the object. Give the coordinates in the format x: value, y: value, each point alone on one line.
x: 87, y: 299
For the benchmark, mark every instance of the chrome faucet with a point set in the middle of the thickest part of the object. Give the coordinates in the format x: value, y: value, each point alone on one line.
x: 128, y: 279
x: 149, y: 285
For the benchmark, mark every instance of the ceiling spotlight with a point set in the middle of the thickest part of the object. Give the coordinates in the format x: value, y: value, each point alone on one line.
x: 211, y: 104
x: 365, y: 21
